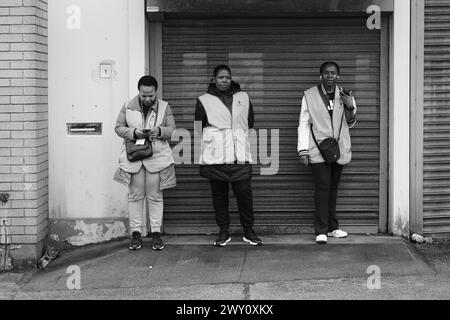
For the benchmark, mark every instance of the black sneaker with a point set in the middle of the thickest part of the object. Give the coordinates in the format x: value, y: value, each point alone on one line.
x: 158, y: 244
x: 136, y: 241
x: 223, y: 239
x: 251, y: 237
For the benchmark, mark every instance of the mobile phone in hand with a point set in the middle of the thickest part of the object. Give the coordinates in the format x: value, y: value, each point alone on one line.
x: 342, y: 91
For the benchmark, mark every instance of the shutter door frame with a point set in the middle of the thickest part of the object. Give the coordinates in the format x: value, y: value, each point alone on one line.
x: 436, y: 121
x: 417, y: 112
x: 156, y: 68
x: 384, y: 122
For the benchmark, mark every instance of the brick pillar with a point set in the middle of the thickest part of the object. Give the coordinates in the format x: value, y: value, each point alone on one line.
x: 24, y: 127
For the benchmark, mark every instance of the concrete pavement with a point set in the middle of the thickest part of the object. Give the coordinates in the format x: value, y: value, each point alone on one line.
x: 285, y: 267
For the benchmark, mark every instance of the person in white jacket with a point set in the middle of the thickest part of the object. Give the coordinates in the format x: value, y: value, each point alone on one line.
x: 328, y: 111
x: 147, y: 117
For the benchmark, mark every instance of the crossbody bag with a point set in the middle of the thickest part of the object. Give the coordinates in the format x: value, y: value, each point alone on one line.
x: 140, y: 152
x: 329, y: 148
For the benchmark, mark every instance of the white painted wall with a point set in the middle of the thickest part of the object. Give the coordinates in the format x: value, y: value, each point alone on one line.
x: 138, y: 43
x: 82, y: 167
x: 399, y: 120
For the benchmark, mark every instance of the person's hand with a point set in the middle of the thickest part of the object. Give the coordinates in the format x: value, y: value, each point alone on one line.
x: 347, y: 99
x: 140, y: 134
x: 155, y: 132
x: 304, y: 159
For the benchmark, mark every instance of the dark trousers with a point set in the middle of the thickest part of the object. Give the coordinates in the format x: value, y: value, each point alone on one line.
x: 243, y: 192
x: 326, y: 180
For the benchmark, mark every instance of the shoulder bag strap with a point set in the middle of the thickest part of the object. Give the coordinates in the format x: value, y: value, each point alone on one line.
x: 340, y: 129
x: 339, y: 135
x: 312, y: 131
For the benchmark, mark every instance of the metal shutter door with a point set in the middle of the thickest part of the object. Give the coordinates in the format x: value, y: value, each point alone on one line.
x: 436, y: 201
x: 275, y: 61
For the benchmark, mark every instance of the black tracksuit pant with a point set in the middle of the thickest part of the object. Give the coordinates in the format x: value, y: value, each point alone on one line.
x: 326, y: 181
x: 243, y: 192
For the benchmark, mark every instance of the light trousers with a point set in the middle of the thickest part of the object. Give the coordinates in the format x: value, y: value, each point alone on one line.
x: 145, y: 185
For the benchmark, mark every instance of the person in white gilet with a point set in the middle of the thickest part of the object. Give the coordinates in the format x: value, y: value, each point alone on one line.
x: 146, y: 117
x: 224, y: 115
x: 327, y: 111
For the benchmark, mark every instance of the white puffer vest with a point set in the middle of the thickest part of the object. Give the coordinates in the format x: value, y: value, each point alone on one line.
x: 227, y: 139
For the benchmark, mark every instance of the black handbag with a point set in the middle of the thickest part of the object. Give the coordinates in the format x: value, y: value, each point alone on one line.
x: 329, y: 148
x: 138, y: 152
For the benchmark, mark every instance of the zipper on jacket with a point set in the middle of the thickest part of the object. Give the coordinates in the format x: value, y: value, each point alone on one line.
x: 144, y: 121
x: 232, y: 128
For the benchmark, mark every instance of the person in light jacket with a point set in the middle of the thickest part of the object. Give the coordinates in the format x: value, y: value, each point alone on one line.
x: 328, y: 111
x: 147, y: 117
x: 224, y: 115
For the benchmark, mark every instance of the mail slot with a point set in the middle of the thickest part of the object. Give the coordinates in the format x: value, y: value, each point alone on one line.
x: 84, y: 129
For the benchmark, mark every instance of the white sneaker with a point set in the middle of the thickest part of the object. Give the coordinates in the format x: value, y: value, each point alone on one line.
x: 321, y: 238
x: 338, y: 234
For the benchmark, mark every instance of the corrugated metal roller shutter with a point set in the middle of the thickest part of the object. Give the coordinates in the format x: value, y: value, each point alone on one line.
x: 436, y: 220
x: 274, y: 61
